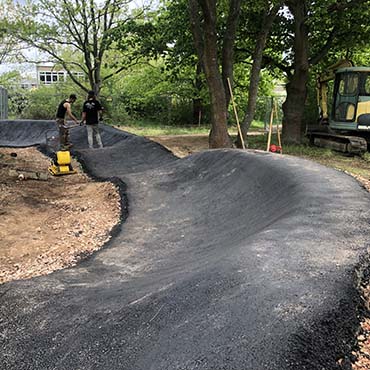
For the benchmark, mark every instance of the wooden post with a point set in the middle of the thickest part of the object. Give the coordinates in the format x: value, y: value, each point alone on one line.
x: 270, y: 125
x: 278, y: 129
x: 236, y: 113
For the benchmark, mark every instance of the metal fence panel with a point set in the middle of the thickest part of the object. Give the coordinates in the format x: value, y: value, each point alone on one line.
x: 3, y: 103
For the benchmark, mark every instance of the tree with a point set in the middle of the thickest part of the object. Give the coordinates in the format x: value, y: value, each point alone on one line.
x: 294, y: 104
x: 76, y: 35
x: 269, y: 12
x: 8, y: 46
x: 317, y: 29
x: 203, y: 19
x: 165, y: 35
x: 178, y: 50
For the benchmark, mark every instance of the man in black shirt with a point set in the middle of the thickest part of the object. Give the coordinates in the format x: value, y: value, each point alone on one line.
x: 91, y: 114
x: 63, y: 109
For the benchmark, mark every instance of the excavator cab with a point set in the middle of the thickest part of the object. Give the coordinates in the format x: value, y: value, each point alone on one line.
x: 347, y: 127
x: 351, y: 103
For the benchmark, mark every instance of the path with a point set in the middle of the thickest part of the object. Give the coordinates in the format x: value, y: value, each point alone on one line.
x: 228, y: 260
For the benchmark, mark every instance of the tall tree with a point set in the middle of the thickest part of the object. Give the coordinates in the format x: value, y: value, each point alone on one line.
x: 269, y: 12
x: 296, y: 87
x: 166, y: 35
x: 82, y: 28
x: 203, y: 18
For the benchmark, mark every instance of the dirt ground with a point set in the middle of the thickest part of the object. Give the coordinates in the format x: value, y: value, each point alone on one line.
x: 46, y: 225
x: 183, y: 145
x: 51, y: 223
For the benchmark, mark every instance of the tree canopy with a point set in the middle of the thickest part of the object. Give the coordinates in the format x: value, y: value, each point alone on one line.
x: 77, y: 35
x: 196, y: 46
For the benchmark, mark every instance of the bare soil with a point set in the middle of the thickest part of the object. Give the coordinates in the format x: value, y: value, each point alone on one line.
x: 183, y: 145
x: 46, y: 225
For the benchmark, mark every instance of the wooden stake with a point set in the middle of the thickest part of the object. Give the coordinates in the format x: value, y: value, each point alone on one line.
x: 278, y: 127
x: 270, y: 126
x: 236, y: 113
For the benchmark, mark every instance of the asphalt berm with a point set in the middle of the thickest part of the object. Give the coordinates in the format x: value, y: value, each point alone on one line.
x: 226, y: 259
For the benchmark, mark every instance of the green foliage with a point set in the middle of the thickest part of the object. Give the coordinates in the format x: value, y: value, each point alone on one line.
x: 240, y: 91
x: 149, y: 92
x: 42, y: 103
x: 17, y: 97
x: 9, y: 79
x: 163, y: 89
x: 75, y: 35
x: 17, y: 101
x: 366, y: 157
x: 150, y: 128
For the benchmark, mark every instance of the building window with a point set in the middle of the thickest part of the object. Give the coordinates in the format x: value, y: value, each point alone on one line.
x: 47, y: 78
x: 50, y: 77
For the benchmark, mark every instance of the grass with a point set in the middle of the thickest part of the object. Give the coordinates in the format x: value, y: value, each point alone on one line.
x: 148, y: 128
x: 355, y: 165
x: 164, y: 130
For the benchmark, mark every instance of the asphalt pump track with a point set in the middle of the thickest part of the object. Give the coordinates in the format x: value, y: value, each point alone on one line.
x: 226, y: 259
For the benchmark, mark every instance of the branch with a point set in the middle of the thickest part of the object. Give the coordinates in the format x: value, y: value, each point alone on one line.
x: 325, y: 49
x: 119, y: 70
x: 73, y: 31
x: 49, y: 51
x: 196, y: 28
x: 267, y: 60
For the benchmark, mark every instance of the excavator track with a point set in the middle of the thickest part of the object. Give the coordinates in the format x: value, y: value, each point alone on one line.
x: 342, y: 143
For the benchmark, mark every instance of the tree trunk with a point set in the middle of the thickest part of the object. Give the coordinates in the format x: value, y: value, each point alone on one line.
x: 228, y: 47
x: 197, y: 102
x: 218, y: 137
x: 267, y: 22
x: 294, y: 104
x: 206, y: 44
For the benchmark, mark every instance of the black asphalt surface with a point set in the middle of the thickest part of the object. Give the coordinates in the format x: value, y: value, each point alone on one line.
x: 227, y: 260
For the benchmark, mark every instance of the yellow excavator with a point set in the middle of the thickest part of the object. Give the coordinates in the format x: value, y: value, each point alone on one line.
x: 347, y: 127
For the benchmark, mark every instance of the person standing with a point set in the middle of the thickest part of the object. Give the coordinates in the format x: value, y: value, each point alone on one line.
x: 92, y: 111
x: 63, y: 109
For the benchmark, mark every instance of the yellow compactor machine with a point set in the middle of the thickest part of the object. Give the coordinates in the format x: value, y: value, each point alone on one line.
x: 61, y: 164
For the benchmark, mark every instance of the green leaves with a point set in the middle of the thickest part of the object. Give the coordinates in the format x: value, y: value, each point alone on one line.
x: 84, y: 28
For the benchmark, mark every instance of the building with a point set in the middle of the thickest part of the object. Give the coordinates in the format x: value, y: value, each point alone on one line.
x: 48, y: 74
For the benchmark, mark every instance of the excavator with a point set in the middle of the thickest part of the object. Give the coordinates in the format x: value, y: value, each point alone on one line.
x: 347, y: 127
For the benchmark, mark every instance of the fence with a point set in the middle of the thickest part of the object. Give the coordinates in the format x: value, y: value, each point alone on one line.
x: 3, y: 103
x: 268, y: 101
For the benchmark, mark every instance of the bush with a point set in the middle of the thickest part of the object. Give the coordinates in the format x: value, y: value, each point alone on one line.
x: 43, y: 101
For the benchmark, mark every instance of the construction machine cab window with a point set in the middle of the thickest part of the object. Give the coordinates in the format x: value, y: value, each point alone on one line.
x: 343, y: 125
x: 348, y: 84
x: 367, y: 85
x: 346, y: 97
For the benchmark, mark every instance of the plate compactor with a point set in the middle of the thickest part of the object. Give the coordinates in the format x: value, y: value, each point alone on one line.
x: 61, y: 163
x: 61, y: 159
